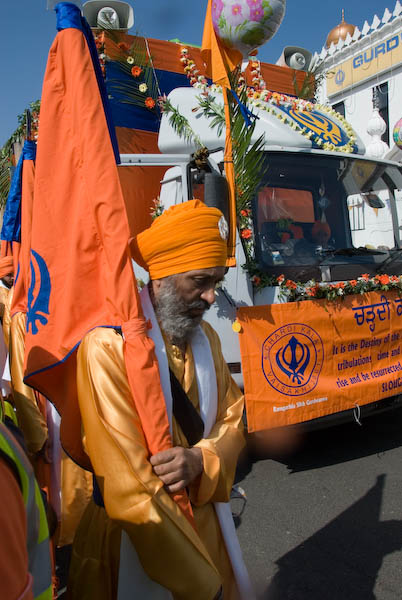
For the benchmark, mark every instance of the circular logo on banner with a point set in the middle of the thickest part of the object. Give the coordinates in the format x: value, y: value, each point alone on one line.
x: 292, y: 359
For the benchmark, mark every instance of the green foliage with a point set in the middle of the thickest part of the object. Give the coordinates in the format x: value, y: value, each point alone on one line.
x: 5, y: 180
x: 7, y: 151
x: 310, y: 84
x: 129, y: 89
x: 213, y: 111
x: 20, y: 133
x: 181, y: 125
x: 248, y: 157
x: 284, y: 224
x: 308, y: 87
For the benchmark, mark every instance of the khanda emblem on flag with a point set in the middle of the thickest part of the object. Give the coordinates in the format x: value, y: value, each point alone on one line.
x: 38, y: 293
x: 293, y: 359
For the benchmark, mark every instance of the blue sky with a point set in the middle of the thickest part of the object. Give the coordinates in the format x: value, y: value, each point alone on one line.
x: 28, y: 31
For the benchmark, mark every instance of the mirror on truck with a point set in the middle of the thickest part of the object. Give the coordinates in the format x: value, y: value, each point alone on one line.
x: 373, y: 200
x: 211, y: 188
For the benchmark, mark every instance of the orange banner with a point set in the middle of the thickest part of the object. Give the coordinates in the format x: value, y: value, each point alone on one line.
x: 309, y: 359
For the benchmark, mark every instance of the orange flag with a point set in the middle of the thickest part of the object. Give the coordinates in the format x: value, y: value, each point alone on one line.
x: 81, y: 272
x: 219, y: 61
x: 19, y: 300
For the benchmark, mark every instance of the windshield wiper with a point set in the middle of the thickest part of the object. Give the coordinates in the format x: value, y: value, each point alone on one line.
x: 361, y: 251
x: 390, y: 259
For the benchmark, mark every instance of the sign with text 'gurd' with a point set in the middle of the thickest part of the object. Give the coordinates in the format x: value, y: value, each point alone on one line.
x: 368, y: 63
x: 310, y: 359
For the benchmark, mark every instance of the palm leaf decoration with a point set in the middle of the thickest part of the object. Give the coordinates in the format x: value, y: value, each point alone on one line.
x: 248, y: 158
x: 7, y: 151
x: 5, y: 180
x: 214, y: 111
x: 128, y: 88
x: 181, y: 125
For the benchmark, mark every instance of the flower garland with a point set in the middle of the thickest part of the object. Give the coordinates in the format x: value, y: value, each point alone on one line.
x: 293, y: 291
x: 129, y: 59
x: 156, y: 208
x: 272, y: 102
x: 190, y: 69
x: 266, y: 100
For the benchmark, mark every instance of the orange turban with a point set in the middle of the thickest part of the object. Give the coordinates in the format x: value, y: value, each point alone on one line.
x: 6, y: 266
x: 186, y: 237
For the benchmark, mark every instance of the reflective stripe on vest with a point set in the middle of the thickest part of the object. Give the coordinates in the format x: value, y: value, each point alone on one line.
x: 8, y: 411
x: 37, y: 530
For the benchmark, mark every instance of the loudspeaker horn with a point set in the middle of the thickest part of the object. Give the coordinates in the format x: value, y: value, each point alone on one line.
x: 296, y: 58
x: 94, y: 12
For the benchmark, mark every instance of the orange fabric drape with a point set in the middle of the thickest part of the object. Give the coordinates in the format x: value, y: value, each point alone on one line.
x: 9, y: 252
x: 79, y: 250
x: 219, y: 61
x: 19, y: 301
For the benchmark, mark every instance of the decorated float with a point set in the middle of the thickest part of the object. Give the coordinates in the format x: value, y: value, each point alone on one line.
x: 310, y: 313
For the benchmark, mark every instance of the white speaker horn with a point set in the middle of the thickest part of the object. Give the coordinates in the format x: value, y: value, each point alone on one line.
x: 296, y: 58
x: 109, y: 14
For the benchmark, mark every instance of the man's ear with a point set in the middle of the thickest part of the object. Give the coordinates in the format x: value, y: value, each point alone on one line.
x: 156, y: 284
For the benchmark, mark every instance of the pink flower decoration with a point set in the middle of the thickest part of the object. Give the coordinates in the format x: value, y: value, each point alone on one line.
x: 235, y: 16
x: 256, y: 14
x: 217, y: 7
x: 254, y: 3
x: 236, y: 9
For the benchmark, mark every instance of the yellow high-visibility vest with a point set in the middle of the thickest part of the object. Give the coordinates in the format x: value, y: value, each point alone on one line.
x: 39, y: 564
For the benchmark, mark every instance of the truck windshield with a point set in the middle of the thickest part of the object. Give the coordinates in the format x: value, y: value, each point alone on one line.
x: 313, y: 208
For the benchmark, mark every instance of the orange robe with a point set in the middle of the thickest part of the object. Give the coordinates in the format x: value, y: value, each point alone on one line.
x: 134, y: 496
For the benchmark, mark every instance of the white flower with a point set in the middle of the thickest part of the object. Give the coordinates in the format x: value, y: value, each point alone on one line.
x: 130, y: 60
x: 143, y: 88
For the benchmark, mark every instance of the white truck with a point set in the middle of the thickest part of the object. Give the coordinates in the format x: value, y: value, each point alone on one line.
x: 319, y: 215
x: 323, y: 212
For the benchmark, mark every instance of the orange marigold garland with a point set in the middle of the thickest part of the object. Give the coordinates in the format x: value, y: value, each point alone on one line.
x: 292, y: 291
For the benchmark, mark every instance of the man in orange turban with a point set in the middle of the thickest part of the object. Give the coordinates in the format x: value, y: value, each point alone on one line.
x: 185, y: 253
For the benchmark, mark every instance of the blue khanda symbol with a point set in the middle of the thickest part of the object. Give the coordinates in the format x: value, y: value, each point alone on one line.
x: 293, y: 359
x: 38, y: 303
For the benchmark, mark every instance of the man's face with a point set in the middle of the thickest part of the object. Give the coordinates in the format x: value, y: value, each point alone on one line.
x: 198, y: 287
x: 8, y: 280
x: 181, y: 300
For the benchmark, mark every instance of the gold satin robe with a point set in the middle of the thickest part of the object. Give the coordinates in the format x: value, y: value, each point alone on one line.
x: 30, y: 419
x: 76, y: 484
x: 5, y: 304
x: 192, y: 566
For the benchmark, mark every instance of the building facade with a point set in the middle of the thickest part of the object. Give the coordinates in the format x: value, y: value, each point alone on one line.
x: 358, y: 63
